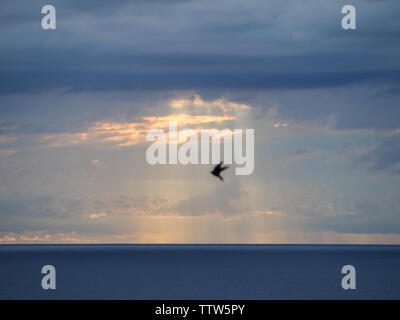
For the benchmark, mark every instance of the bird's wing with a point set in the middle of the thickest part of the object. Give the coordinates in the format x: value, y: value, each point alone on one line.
x: 218, y: 166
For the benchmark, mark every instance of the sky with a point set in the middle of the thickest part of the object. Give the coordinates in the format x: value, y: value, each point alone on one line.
x: 76, y: 104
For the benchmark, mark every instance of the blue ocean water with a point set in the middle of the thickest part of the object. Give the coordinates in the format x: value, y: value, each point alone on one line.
x: 199, y: 271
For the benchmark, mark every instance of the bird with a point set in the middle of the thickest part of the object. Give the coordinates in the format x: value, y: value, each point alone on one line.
x: 218, y: 169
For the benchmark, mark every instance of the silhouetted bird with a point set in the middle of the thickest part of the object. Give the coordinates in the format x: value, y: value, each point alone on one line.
x: 218, y: 169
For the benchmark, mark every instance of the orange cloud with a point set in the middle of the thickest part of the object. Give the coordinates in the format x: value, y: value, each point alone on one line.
x: 128, y: 133
x: 133, y: 133
x: 196, y: 101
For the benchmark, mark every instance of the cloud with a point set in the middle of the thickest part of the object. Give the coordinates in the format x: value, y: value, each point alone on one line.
x: 222, y: 105
x: 259, y: 46
x: 141, y: 206
x: 6, y: 153
x: 123, y: 134
x: 97, y: 215
x: 112, y: 71
x: 227, y: 199
x: 38, y: 207
x: 7, y: 143
x: 385, y: 156
x: 346, y: 147
x: 6, y: 139
x: 233, y: 45
x: 300, y: 155
x: 43, y: 237
x: 279, y: 125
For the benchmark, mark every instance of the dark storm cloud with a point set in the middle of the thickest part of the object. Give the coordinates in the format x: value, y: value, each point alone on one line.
x: 83, y: 79
x: 23, y: 13
x: 104, y: 45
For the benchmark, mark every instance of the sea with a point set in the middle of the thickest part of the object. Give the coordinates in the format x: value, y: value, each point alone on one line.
x: 223, y: 272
